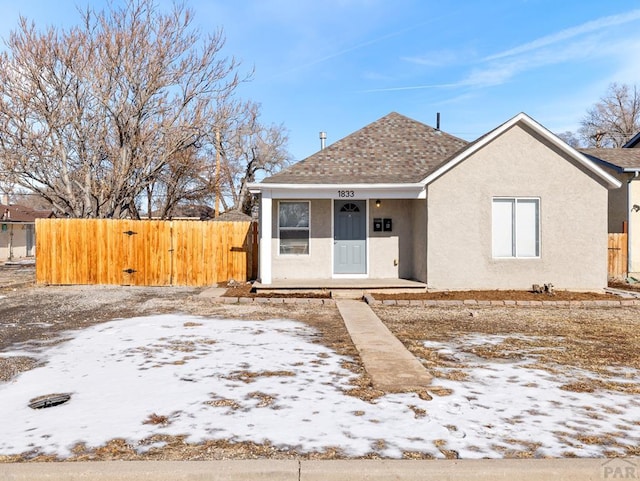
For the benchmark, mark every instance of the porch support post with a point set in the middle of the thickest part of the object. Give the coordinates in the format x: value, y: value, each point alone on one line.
x: 266, y: 214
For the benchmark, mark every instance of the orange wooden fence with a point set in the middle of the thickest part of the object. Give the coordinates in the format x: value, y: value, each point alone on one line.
x: 618, y: 255
x: 144, y: 252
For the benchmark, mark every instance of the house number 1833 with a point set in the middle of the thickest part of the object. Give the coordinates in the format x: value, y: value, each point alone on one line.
x: 346, y: 193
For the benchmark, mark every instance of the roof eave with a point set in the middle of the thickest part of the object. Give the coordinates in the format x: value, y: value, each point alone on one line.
x: 256, y: 188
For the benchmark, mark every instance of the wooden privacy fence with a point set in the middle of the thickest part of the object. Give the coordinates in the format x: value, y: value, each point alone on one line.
x: 617, y: 249
x: 144, y: 252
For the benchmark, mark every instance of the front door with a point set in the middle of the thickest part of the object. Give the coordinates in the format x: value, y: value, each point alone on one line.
x: 350, y: 237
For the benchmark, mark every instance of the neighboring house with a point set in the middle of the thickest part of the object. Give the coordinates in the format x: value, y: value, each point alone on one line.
x: 400, y: 199
x: 624, y: 203
x: 17, y: 231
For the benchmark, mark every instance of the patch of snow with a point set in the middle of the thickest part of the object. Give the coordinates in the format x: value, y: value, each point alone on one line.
x: 269, y: 381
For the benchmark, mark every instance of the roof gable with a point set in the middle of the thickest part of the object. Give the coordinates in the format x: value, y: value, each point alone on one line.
x: 522, y: 119
x: 393, y: 149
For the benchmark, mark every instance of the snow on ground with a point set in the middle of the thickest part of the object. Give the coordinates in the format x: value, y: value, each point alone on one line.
x: 269, y: 381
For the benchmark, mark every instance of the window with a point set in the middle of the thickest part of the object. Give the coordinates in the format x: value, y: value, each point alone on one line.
x: 293, y: 225
x: 516, y: 227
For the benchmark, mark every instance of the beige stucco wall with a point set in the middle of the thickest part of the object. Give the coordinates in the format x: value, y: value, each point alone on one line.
x: 573, y: 219
x: 316, y: 265
x: 391, y: 253
x: 18, y: 242
x: 634, y: 228
x: 419, y: 222
x: 618, y: 205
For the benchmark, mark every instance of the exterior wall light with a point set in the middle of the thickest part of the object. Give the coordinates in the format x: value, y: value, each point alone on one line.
x: 378, y: 203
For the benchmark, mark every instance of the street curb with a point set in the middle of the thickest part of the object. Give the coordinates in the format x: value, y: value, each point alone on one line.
x: 565, y: 469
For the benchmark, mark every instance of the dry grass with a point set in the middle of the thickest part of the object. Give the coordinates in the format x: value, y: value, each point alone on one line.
x: 603, y: 341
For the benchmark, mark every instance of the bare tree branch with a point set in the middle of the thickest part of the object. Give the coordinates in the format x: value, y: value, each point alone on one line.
x: 613, y: 120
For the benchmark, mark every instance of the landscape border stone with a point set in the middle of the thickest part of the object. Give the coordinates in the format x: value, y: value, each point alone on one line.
x: 369, y: 299
x: 372, y: 301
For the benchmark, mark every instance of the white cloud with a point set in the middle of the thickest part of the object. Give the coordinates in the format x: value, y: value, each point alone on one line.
x: 569, y: 33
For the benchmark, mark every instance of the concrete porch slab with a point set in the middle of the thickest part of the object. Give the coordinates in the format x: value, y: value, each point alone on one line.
x: 334, y: 284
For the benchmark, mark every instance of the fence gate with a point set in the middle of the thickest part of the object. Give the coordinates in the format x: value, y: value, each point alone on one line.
x: 617, y: 248
x: 144, y: 253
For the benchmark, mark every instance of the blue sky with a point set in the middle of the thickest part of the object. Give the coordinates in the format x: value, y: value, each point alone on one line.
x: 337, y: 65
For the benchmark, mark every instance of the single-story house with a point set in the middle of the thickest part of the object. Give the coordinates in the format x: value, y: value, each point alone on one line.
x: 17, y: 230
x: 624, y: 203
x: 400, y: 199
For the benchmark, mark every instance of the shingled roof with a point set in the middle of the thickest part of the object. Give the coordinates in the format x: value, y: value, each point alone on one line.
x: 392, y: 150
x: 616, y: 158
x: 21, y: 213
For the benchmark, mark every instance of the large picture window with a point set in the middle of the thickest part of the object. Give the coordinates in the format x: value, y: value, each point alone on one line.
x: 293, y: 226
x: 516, y: 227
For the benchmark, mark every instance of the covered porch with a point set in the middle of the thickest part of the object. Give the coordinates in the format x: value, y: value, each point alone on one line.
x: 298, y: 285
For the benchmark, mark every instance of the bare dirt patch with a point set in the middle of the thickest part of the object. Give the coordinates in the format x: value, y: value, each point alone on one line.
x: 245, y: 289
x: 625, y: 286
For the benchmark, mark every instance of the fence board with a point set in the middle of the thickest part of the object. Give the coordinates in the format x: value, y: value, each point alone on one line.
x: 617, y: 249
x: 150, y: 253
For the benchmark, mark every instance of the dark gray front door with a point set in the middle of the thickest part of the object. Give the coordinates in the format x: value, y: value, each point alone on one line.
x: 350, y: 237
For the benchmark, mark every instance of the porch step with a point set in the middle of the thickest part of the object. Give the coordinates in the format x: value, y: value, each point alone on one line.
x: 347, y: 294
x: 337, y: 285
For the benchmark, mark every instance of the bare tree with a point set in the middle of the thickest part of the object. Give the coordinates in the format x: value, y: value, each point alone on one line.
x: 249, y: 147
x: 94, y: 117
x: 570, y: 138
x: 614, y: 119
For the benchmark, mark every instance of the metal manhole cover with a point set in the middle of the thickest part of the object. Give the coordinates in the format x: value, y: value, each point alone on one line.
x: 49, y: 400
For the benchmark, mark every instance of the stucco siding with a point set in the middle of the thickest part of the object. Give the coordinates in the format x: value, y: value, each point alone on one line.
x: 13, y: 242
x: 634, y: 228
x: 573, y: 218
x: 391, y: 253
x: 315, y: 265
x: 618, y: 203
x: 419, y: 223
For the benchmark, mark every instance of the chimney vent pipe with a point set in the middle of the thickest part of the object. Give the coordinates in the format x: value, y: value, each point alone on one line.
x: 438, y: 121
x: 323, y: 138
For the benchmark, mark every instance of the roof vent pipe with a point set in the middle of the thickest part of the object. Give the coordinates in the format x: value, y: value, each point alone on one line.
x: 323, y: 138
x: 438, y: 121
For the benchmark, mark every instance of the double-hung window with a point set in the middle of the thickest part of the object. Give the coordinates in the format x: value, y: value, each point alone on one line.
x: 293, y: 227
x: 516, y: 227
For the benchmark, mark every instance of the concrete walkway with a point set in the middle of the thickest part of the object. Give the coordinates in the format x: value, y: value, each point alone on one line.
x: 293, y: 470
x: 391, y: 366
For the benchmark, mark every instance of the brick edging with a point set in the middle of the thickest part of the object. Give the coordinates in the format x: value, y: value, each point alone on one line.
x: 274, y: 300
x: 475, y: 303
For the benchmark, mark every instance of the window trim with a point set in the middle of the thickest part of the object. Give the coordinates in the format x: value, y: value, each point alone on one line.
x: 514, y: 228
x: 297, y: 229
